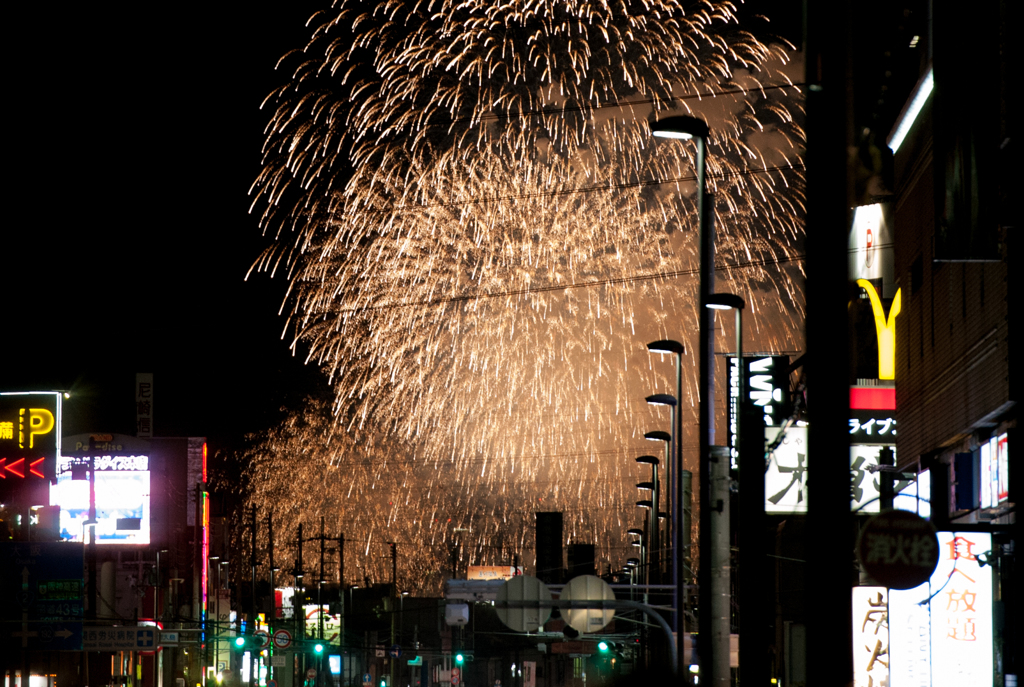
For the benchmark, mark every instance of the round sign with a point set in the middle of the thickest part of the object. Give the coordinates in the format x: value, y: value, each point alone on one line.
x: 456, y: 676
x: 898, y: 549
x: 395, y: 651
x: 367, y: 680
x: 262, y: 638
x: 282, y: 638
x: 528, y: 590
x: 587, y: 588
x: 271, y: 683
x: 311, y: 673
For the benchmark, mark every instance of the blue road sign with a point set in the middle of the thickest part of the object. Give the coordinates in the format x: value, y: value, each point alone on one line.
x: 395, y: 651
x: 41, y: 595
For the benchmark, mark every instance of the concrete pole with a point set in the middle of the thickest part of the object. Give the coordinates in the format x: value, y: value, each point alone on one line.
x: 721, y: 566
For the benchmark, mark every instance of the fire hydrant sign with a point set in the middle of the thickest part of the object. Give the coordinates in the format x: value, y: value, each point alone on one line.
x: 898, y: 549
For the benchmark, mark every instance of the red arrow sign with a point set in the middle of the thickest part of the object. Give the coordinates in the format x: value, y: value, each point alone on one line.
x: 18, y: 468
x: 14, y: 468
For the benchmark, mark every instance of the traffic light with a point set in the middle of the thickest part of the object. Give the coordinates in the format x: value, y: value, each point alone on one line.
x: 462, y: 657
x: 318, y: 649
x: 603, y: 647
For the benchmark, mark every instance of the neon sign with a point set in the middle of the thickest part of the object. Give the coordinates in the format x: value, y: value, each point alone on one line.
x: 29, y: 443
x: 885, y: 328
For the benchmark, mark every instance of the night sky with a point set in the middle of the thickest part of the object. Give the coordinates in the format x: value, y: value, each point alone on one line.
x: 127, y: 238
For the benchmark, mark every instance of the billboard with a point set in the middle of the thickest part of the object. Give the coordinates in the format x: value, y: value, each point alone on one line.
x: 870, y: 637
x: 122, y: 498
x: 30, y: 439
x: 766, y: 395
x: 785, y: 478
x: 492, y: 572
x: 941, y: 633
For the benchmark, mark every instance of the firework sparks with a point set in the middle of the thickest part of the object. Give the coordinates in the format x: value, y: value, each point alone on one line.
x: 473, y: 220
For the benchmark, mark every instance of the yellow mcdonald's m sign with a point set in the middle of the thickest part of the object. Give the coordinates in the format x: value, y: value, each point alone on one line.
x: 885, y: 328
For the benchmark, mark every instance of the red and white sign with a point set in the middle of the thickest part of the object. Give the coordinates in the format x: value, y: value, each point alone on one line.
x: 456, y: 676
x: 311, y: 673
x: 282, y: 639
x: 262, y: 638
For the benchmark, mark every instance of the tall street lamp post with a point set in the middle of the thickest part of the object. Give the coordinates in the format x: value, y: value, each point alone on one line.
x: 686, y: 128
x: 670, y: 476
x: 651, y: 540
x: 750, y: 460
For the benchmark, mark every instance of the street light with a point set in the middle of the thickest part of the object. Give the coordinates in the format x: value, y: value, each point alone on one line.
x: 672, y: 403
x: 652, y: 524
x: 753, y: 659
x: 684, y: 127
x: 658, y: 435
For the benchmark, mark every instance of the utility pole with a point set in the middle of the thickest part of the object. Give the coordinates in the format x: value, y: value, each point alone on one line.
x: 341, y: 587
x: 297, y: 600
x: 252, y: 596
x: 270, y: 556
x: 394, y: 595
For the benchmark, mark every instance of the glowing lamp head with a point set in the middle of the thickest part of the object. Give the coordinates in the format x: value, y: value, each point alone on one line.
x: 681, y: 127
x: 318, y: 648
x: 725, y: 301
x: 459, y: 658
x: 603, y: 647
x: 239, y: 641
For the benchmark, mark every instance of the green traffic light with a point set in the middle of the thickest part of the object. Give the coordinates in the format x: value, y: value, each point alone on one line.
x: 459, y: 658
x: 602, y: 647
x: 239, y: 641
x: 318, y: 648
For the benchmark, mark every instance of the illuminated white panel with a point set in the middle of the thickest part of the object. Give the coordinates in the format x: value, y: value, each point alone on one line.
x: 917, y: 100
x: 986, y: 475
x: 121, y: 495
x: 961, y: 612
x: 909, y: 637
x: 785, y: 480
x: 870, y: 637
x: 1003, y: 461
x: 915, y: 496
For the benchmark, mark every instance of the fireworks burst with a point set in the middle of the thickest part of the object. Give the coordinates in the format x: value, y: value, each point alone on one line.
x: 480, y: 237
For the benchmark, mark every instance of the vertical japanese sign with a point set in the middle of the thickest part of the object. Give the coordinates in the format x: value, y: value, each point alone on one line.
x: 870, y: 637
x: 30, y: 431
x: 144, y: 404
x: 961, y: 611
x: 785, y: 479
x: 909, y: 637
x: 766, y: 385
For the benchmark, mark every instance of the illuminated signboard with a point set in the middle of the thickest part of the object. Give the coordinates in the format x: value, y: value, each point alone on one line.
x: 29, y: 443
x: 785, y: 479
x: 122, y: 498
x: 332, y: 623
x: 766, y: 388
x: 995, y: 464
x: 492, y: 572
x: 941, y: 633
x: 870, y: 637
x: 885, y: 329
x: 871, y: 265
x: 870, y: 248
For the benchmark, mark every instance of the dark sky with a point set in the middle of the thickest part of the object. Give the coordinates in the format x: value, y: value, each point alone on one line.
x: 127, y: 237
x: 136, y: 135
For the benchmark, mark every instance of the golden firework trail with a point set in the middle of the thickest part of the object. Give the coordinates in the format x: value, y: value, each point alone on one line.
x: 480, y: 236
